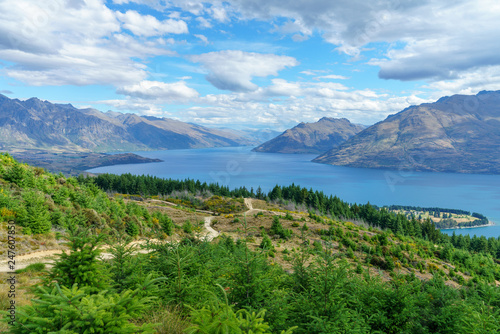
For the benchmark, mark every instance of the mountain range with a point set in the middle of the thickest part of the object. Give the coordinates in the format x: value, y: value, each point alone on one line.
x: 460, y: 133
x: 315, y: 137
x: 37, y: 124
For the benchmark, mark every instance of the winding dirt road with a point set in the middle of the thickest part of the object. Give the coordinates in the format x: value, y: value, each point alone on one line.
x: 47, y: 256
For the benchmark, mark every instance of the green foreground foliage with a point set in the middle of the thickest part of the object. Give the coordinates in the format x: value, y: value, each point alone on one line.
x: 225, y: 287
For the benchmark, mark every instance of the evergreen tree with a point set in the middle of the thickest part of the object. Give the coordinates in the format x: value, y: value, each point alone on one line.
x: 73, y: 310
x: 266, y: 243
x: 35, y: 215
x: 81, y: 266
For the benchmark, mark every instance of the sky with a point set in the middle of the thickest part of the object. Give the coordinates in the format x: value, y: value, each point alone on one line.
x: 249, y: 63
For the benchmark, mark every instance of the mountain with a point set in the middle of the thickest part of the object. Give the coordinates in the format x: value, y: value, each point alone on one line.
x: 258, y: 136
x: 37, y: 124
x: 460, y: 134
x: 315, y: 137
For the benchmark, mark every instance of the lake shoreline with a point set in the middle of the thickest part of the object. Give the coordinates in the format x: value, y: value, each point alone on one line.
x: 462, y: 228
x: 235, y: 167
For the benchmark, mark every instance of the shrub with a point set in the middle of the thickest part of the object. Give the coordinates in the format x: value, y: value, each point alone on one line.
x: 266, y: 243
x: 278, y: 229
x: 65, y: 310
x: 187, y: 227
x: 132, y: 229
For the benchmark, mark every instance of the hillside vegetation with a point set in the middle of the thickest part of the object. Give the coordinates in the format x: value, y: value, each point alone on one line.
x: 289, y: 261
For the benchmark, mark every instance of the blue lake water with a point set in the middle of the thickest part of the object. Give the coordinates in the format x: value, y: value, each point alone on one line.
x: 238, y: 166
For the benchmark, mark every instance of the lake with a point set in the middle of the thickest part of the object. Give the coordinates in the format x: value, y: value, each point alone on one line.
x: 238, y: 166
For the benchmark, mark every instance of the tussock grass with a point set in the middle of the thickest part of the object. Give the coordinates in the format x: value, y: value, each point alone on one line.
x: 168, y: 318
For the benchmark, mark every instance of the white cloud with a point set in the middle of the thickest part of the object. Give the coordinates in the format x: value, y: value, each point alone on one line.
x: 467, y: 82
x: 435, y: 40
x: 66, y: 42
x: 233, y: 70
x: 139, y: 106
x: 147, y: 25
x: 284, y: 104
x: 332, y: 76
x: 203, y: 22
x: 155, y: 90
x: 219, y: 14
x: 364, y: 107
x: 203, y: 38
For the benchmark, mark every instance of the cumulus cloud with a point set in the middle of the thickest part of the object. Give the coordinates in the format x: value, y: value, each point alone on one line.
x: 54, y: 44
x: 467, y: 82
x: 285, y: 103
x: 155, y: 90
x: 202, y: 38
x: 332, y: 76
x: 61, y: 42
x: 359, y: 106
x: 219, y: 14
x: 233, y: 70
x: 435, y: 40
x: 139, y: 106
x: 203, y: 22
x: 147, y: 25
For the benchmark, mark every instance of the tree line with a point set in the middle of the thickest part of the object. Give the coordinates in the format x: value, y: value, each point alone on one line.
x: 316, y: 201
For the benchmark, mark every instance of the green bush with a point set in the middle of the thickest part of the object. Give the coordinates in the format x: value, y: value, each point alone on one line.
x: 187, y: 227
x: 278, y: 229
x: 64, y: 310
x: 132, y: 229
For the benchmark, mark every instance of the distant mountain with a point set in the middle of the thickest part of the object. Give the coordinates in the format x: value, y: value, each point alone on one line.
x: 315, y: 137
x: 258, y: 136
x: 455, y: 134
x: 36, y: 124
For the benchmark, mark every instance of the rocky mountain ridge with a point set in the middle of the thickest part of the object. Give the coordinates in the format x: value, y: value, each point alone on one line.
x: 315, y: 137
x: 459, y: 133
x: 37, y: 124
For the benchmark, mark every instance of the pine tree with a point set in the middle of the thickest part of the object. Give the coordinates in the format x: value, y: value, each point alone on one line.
x: 74, y: 310
x: 34, y: 216
x: 266, y: 243
x: 81, y: 266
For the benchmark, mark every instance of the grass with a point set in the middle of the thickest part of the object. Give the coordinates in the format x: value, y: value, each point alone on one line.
x: 169, y: 320
x: 32, y: 268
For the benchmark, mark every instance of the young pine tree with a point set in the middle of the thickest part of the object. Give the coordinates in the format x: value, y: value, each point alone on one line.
x: 81, y: 266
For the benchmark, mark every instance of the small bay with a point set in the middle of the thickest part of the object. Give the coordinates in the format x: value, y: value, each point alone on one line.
x: 239, y: 166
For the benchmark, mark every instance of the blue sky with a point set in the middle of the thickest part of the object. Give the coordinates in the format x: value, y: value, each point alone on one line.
x: 249, y: 64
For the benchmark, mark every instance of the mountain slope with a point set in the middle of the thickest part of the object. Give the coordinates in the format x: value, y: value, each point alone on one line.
x: 315, y: 137
x: 455, y: 134
x: 36, y: 124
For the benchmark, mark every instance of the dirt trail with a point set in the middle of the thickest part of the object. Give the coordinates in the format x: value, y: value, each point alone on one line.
x: 22, y: 261
x: 252, y: 210
x: 248, y: 203
x: 47, y: 256
x: 212, y: 234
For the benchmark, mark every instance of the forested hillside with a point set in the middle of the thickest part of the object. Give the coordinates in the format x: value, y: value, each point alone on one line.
x: 289, y: 261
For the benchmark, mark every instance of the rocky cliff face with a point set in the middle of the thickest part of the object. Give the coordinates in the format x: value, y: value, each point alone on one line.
x: 36, y: 124
x: 455, y: 134
x: 315, y: 137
